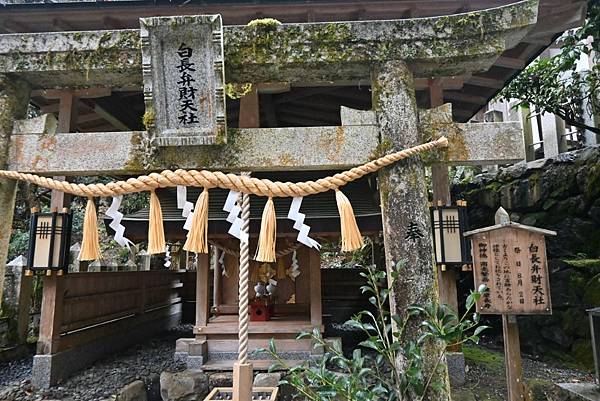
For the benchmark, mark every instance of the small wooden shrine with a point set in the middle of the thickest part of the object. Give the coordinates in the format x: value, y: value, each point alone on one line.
x: 285, y: 296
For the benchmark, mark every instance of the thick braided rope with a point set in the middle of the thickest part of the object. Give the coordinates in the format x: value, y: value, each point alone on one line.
x: 243, y: 316
x: 214, y: 179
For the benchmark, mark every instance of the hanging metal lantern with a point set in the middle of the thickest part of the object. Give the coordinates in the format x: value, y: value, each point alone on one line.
x: 49, y: 241
x: 451, y: 247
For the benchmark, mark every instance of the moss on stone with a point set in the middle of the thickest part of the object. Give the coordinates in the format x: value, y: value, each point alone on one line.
x: 148, y: 119
x: 264, y: 22
x: 491, y: 360
x: 237, y: 90
x: 540, y: 389
x: 582, y: 353
x: 587, y: 266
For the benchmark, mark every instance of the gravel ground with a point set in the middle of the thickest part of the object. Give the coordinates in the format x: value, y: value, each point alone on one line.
x: 101, y: 381
x: 487, y: 381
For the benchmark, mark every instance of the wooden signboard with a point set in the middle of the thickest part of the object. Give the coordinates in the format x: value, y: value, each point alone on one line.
x: 511, y: 262
x: 510, y: 259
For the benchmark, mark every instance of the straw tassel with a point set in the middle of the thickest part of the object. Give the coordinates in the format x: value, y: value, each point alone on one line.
x: 156, y: 232
x: 266, y: 239
x: 197, y: 240
x: 351, y: 237
x: 90, y: 245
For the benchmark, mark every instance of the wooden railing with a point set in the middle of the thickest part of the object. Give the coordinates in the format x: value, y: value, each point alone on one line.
x: 81, y: 307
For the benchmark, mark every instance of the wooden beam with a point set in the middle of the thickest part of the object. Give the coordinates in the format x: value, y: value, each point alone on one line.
x: 114, y: 121
x: 84, y: 93
x: 465, y: 97
x: 300, y: 93
x: 478, y: 80
x: 510, y: 62
x: 62, y: 24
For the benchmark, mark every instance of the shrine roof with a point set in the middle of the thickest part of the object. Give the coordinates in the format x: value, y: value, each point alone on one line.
x: 502, y: 41
x: 510, y: 224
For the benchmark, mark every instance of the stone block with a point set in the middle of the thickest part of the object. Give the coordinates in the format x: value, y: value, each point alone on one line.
x: 189, y: 385
x: 267, y: 380
x: 456, y: 368
x: 578, y: 392
x: 221, y: 379
x: 135, y: 391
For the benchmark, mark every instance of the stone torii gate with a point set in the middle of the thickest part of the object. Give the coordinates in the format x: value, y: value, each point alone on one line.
x: 395, y: 56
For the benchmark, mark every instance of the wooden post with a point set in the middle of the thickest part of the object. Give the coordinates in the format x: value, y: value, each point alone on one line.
x: 217, y: 277
x: 512, y: 347
x: 405, y: 214
x: 14, y: 98
x: 249, y: 109
x: 52, y: 313
x: 517, y: 390
x: 202, y: 290
x: 24, y: 304
x: 440, y: 181
x: 242, y: 381
x: 316, y: 308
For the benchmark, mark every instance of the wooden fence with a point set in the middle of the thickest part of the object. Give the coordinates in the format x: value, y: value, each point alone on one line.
x: 82, y: 307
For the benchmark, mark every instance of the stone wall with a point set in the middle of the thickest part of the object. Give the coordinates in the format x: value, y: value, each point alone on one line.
x: 561, y: 194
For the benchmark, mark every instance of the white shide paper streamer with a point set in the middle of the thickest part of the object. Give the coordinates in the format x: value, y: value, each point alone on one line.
x: 294, y: 214
x: 232, y: 206
x: 187, y: 208
x: 115, y: 224
x: 167, y: 263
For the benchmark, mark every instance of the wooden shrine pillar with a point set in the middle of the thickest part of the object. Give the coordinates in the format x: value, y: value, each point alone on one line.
x: 14, y: 99
x: 316, y: 307
x: 202, y: 290
x: 404, y: 206
x: 51, y: 315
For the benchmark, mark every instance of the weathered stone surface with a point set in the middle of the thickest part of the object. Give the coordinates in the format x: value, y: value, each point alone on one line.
x: 189, y: 385
x: 471, y: 144
x: 267, y: 380
x: 255, y: 149
x: 14, y: 98
x: 252, y: 149
x: 405, y: 216
x: 448, y: 45
x: 221, y: 379
x: 135, y: 391
x: 456, y: 368
x: 578, y: 392
x: 183, y: 61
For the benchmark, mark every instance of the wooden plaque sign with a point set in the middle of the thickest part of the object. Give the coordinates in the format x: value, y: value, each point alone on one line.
x: 183, y: 70
x: 510, y: 259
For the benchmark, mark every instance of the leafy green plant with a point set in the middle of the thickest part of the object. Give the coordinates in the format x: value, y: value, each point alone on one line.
x: 387, y: 366
x: 554, y: 85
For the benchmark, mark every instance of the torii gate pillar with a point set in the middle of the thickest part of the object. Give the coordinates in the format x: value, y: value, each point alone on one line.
x: 14, y: 98
x: 405, y: 216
